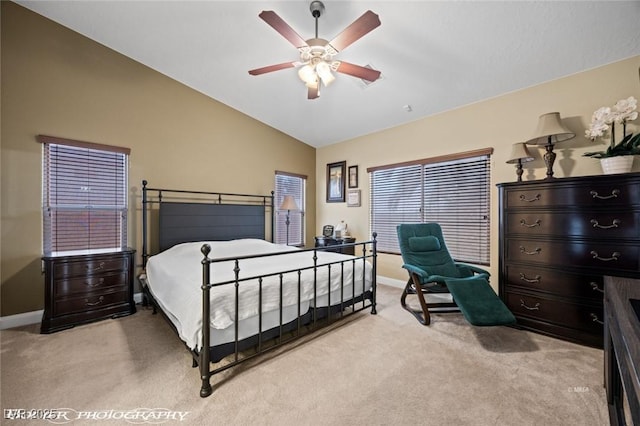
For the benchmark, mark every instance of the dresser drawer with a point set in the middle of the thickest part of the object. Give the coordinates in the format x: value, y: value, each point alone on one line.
x: 595, y: 224
x: 89, y: 283
x: 586, y: 195
x: 582, y: 317
x: 606, y: 257
x: 90, y: 302
x: 555, y: 281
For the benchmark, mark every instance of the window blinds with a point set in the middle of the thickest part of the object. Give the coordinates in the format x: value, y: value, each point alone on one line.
x: 294, y: 185
x: 454, y: 193
x: 84, y: 198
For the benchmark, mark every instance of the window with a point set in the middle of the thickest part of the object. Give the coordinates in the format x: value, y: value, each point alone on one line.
x: 84, y: 195
x: 294, y: 185
x: 451, y: 190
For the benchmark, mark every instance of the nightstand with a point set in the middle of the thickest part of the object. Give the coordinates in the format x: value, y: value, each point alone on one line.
x: 85, y: 287
x: 329, y: 241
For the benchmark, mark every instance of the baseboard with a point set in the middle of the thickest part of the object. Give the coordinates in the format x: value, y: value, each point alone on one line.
x: 391, y: 282
x: 34, y: 317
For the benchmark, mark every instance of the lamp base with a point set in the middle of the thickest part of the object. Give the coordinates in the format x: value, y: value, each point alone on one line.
x: 549, y: 158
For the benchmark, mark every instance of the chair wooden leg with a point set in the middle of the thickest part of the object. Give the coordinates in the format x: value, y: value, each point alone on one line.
x: 423, y: 316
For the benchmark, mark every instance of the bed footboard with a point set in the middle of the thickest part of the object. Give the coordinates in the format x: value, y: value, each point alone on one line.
x: 348, y: 303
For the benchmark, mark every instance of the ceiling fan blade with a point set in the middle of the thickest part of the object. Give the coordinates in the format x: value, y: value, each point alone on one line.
x: 313, y: 92
x: 278, y: 24
x: 361, y: 26
x: 272, y: 68
x: 364, y: 73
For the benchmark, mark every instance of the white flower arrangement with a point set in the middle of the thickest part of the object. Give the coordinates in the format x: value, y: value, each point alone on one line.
x: 605, y: 118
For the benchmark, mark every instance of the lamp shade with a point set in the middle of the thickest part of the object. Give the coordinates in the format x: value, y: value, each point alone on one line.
x: 288, y: 203
x: 519, y: 152
x: 550, y: 130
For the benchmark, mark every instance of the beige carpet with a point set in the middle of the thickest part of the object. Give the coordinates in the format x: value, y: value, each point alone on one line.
x: 371, y: 370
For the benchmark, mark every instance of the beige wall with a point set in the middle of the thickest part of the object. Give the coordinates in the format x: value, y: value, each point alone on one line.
x: 59, y: 83
x: 496, y: 123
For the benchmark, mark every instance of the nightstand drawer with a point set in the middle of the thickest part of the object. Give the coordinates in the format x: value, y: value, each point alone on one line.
x: 582, y: 317
x: 89, y: 284
x: 90, y: 302
x: 90, y: 267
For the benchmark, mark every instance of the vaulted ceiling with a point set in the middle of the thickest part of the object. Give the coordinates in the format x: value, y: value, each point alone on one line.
x: 434, y: 55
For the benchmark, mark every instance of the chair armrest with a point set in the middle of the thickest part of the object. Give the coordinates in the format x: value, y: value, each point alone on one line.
x: 416, y: 270
x: 473, y: 269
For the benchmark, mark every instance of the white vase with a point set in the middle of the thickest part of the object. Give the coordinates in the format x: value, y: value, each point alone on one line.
x: 619, y: 164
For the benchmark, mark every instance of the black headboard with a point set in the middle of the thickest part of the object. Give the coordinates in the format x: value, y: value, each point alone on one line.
x: 187, y: 216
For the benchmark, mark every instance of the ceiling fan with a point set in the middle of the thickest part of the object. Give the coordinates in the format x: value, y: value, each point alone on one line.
x: 316, y: 54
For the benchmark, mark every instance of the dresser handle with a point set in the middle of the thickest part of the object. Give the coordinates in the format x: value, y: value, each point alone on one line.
x: 536, y: 280
x: 533, y: 225
x: 530, y: 200
x: 524, y: 305
x: 100, y: 300
x: 594, y: 287
x: 531, y: 253
x: 595, y: 318
x: 614, y: 194
x: 614, y: 256
x: 100, y: 266
x: 614, y: 224
x: 95, y: 284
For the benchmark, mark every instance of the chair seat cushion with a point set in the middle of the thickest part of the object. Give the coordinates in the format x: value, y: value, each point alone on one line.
x: 479, y: 304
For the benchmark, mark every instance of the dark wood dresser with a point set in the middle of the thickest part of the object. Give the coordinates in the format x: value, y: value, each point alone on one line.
x: 329, y: 241
x: 81, y: 288
x: 558, y: 238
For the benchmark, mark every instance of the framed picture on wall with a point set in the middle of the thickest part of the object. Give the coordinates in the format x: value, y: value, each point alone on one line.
x: 353, y: 198
x: 353, y: 176
x: 336, y: 182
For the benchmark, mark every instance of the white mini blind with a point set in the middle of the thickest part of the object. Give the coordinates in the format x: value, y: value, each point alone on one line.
x: 294, y: 185
x: 84, y: 196
x: 453, y: 191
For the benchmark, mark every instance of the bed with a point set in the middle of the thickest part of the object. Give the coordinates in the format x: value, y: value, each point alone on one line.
x: 207, y: 255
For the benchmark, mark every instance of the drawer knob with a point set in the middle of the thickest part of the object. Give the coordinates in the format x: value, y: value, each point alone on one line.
x: 614, y: 224
x: 535, y: 308
x: 595, y: 318
x: 97, y: 302
x: 530, y: 253
x: 594, y: 287
x: 614, y: 194
x: 535, y: 280
x: 531, y: 225
x: 530, y: 200
x: 100, y: 266
x: 614, y: 256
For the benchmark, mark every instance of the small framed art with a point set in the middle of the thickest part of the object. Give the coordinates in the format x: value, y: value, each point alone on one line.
x: 353, y: 198
x: 336, y: 182
x: 353, y: 176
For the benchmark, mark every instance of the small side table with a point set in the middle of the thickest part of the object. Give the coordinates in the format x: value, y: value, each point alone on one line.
x: 329, y: 241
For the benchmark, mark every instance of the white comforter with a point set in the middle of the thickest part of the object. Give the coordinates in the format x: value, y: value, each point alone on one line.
x: 175, y: 276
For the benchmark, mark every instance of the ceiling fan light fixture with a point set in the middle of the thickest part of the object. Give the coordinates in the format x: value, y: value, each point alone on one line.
x: 307, y: 74
x: 324, y: 72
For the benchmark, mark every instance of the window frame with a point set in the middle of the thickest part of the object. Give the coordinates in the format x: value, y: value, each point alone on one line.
x: 105, y: 210
x: 408, y: 193
x: 297, y: 217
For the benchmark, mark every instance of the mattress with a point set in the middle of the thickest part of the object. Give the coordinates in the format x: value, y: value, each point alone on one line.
x: 174, y: 278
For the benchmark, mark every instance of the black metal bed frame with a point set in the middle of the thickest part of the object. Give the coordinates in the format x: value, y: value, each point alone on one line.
x: 267, y: 340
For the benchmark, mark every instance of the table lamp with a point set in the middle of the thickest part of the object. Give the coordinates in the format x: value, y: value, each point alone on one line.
x: 549, y: 132
x: 519, y: 155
